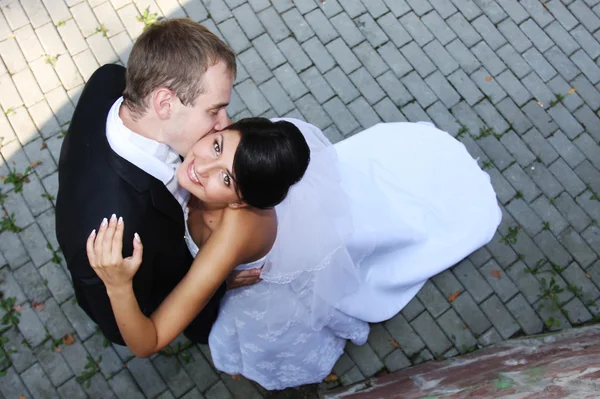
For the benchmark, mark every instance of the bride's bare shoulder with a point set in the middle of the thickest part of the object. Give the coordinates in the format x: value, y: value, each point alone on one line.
x: 256, y: 228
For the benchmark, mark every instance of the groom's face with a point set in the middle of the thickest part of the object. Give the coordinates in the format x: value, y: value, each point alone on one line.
x: 208, y: 114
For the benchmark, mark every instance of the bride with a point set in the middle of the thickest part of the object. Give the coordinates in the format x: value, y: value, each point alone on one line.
x: 345, y: 235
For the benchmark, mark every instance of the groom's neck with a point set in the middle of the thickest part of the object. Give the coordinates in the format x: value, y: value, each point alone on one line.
x: 143, y: 125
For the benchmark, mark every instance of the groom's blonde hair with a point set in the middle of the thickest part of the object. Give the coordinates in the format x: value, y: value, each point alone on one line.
x: 174, y: 54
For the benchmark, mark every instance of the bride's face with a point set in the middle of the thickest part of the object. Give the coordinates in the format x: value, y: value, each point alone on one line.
x: 206, y: 171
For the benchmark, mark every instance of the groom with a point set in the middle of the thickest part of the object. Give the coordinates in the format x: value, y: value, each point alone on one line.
x: 120, y: 155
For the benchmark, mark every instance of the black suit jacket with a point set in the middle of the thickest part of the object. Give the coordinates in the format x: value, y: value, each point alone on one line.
x: 94, y: 183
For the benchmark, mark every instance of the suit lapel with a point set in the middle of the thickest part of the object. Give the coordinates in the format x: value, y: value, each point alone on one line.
x: 163, y: 200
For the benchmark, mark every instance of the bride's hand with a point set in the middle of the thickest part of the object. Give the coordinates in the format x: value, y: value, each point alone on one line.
x: 104, y: 251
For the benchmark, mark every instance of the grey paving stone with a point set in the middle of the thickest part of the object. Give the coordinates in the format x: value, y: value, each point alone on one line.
x: 525, y: 315
x: 319, y: 22
x: 562, y: 14
x: 555, y: 252
x: 570, y: 99
x: 504, y: 191
x: 419, y: 89
x: 470, y: 312
x: 276, y: 96
x: 562, y: 38
x: 538, y: 12
x: 586, y: 65
x: 443, y: 7
x: 463, y: 56
x: 589, y: 175
x: 491, y: 117
x: 380, y: 341
x: 313, y: 112
x: 11, y: 385
x: 363, y: 112
x: 468, y: 8
x: 568, y: 178
x: 488, y: 58
x: 273, y: 23
x: 467, y: 34
x: 404, y: 334
x: 353, y: 7
x: 340, y: 115
x: 465, y: 86
x: 572, y: 212
x: 584, y: 15
x: 416, y: 28
x: 550, y: 215
x: 365, y: 358
x: 252, y: 97
x: 447, y: 283
x: 488, y: 86
x: 234, y: 35
x: 441, y: 58
x: 515, y: 175
x: 589, y: 121
x: 503, y: 286
x: 396, y: 361
x: 413, y: 309
x: 376, y: 8
x: 333, y: 134
x: 514, y: 35
x: 489, y: 32
x: 18, y: 350
x: 465, y: 115
x: 434, y: 23
x: 319, y: 54
x: 458, y: 332
x: 432, y: 299
x: 500, y: 317
x: 542, y: 121
x: 569, y: 152
x: 37, y: 383
x: 515, y: 62
x: 472, y: 280
x: 388, y: 111
x: 514, y: 10
x: 528, y: 285
x: 397, y: 7
x: 443, y: 119
x: 53, y: 363
x: 539, y: 64
x: 544, y: 180
x: 290, y: 81
x: 317, y: 84
x: 513, y: 87
x: 527, y: 219
x: 351, y: 376
x: 517, y: 148
x: 589, y: 148
x: 490, y: 337
x: 146, y: 376
x: 576, y: 277
x: 255, y: 66
x: 84, y: 326
x: 32, y: 283
x: 347, y: 29
x: 298, y: 25
x: 576, y: 311
x: 394, y: 30
x: 367, y: 86
x: 418, y: 59
x: 370, y: 59
x: 124, y: 386
x: 343, y: 364
x: 562, y: 63
x: 588, y: 43
x: 394, y: 59
x: 432, y: 335
x: 539, y: 38
x: 580, y: 250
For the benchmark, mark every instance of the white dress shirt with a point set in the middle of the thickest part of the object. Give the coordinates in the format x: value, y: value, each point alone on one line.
x: 154, y: 158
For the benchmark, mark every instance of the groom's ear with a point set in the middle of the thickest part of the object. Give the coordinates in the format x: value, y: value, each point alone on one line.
x: 162, y: 101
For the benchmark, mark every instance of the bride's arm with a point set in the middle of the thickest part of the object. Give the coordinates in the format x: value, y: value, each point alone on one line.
x: 229, y: 245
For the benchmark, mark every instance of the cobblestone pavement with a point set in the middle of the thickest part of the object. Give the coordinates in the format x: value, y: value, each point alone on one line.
x: 516, y: 81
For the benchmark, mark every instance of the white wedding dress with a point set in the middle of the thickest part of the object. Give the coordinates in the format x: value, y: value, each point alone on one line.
x: 419, y: 204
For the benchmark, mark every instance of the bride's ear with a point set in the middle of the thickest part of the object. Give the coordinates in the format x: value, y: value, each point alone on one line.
x: 238, y: 205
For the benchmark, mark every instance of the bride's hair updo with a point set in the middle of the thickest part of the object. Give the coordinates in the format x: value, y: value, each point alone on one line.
x: 270, y: 158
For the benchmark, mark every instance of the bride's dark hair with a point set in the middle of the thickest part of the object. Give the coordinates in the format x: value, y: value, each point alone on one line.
x: 270, y: 158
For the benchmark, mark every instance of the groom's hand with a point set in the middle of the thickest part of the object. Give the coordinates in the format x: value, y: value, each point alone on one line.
x: 242, y: 278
